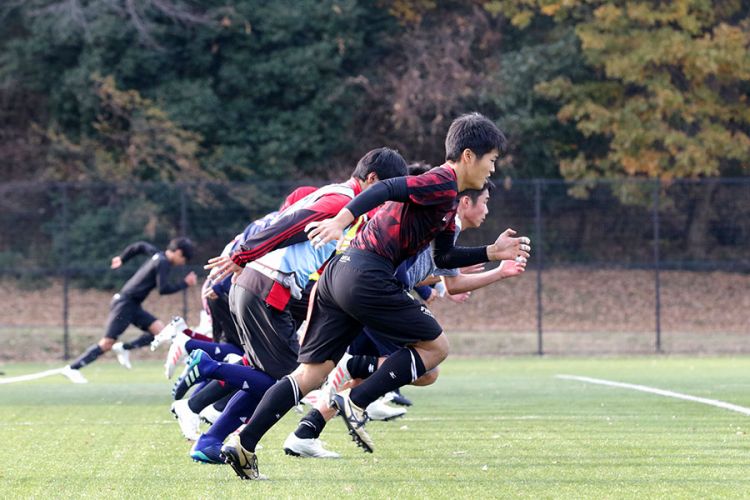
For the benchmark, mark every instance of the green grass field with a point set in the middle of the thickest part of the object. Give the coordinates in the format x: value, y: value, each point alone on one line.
x: 489, y: 428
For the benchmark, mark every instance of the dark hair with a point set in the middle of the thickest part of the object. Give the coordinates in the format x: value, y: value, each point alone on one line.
x: 418, y: 168
x: 385, y: 162
x: 475, y: 132
x: 474, y: 194
x: 182, y: 244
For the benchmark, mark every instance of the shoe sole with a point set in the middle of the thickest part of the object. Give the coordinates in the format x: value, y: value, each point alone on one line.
x: 388, y: 419
x: 232, y: 460
x: 352, y: 431
x: 293, y: 453
x: 400, y: 403
x: 201, y: 458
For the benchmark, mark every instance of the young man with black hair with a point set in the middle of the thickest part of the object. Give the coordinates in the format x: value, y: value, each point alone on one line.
x: 126, y: 306
x: 471, y: 212
x: 268, y: 300
x: 358, y: 287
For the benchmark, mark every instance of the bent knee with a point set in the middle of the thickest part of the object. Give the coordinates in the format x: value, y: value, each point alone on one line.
x: 428, y: 378
x: 311, y: 376
x: 106, y: 344
x: 442, y: 346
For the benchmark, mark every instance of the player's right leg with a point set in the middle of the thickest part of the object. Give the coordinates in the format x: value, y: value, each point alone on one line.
x: 121, y: 313
x: 239, y: 451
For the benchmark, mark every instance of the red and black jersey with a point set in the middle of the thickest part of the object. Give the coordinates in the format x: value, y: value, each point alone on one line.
x: 289, y: 227
x: 402, y: 229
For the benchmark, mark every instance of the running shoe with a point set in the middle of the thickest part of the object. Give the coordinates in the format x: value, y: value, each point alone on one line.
x: 355, y: 419
x: 308, y: 448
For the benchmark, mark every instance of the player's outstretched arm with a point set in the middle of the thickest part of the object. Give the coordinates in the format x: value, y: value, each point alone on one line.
x: 321, y: 232
x: 507, y: 247
x: 468, y: 282
x: 221, y: 267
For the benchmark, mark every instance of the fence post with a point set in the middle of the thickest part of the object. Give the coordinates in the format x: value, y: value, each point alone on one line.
x: 539, y: 257
x: 66, y: 272
x: 183, y: 233
x: 657, y: 264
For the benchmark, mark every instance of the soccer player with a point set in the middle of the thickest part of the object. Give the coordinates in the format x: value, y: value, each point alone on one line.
x: 274, y: 267
x: 126, y: 309
x: 471, y: 212
x: 211, y: 400
x: 358, y: 287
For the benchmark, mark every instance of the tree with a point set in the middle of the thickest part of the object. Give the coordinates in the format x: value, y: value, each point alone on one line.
x: 670, y: 96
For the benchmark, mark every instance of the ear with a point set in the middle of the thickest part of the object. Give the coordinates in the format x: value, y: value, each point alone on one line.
x: 467, y: 155
x: 372, y: 178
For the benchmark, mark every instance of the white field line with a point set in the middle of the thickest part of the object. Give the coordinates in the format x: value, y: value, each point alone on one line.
x: 660, y: 392
x: 31, y: 376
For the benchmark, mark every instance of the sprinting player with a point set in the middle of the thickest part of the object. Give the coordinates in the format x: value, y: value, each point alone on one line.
x: 358, y: 287
x: 215, y: 299
x: 471, y: 212
x: 268, y: 299
x: 210, y: 400
x: 126, y: 308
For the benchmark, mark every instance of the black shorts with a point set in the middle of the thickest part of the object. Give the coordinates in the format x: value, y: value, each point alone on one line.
x: 124, y: 312
x: 268, y: 336
x: 358, y: 289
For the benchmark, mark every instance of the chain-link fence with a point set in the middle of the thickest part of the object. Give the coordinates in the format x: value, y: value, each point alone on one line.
x: 617, y: 266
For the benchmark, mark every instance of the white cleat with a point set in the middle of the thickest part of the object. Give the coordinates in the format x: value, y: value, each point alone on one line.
x: 189, y: 421
x: 308, y: 448
x: 314, y: 397
x: 176, y: 355
x: 340, y: 375
x: 177, y: 325
x: 205, y: 325
x: 73, y: 375
x: 379, y: 410
x: 209, y: 414
x: 123, y: 355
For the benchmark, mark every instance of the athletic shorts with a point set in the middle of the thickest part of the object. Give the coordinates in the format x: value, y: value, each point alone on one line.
x: 356, y: 290
x: 268, y: 336
x: 124, y: 312
x: 368, y: 343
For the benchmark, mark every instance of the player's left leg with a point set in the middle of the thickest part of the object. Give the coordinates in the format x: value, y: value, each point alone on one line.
x: 238, y: 410
x: 150, y: 326
x: 121, y: 313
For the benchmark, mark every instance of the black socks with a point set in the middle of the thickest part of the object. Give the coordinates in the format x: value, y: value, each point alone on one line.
x: 88, y: 356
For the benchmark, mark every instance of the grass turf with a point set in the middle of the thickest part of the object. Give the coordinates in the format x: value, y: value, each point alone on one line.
x: 488, y: 428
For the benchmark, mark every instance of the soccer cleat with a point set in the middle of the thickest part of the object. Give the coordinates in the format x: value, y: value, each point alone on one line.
x: 74, y: 375
x: 123, y: 355
x: 199, y: 364
x: 207, y: 450
x: 189, y: 420
x: 308, y: 448
x: 314, y: 397
x: 397, y: 398
x: 205, y: 325
x: 379, y: 410
x: 340, y: 375
x: 209, y: 414
x: 244, y: 462
x: 176, y: 355
x: 177, y: 325
x: 355, y: 419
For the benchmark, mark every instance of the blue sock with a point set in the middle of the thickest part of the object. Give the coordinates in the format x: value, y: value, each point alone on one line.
x: 217, y: 351
x: 243, y: 377
x: 240, y: 408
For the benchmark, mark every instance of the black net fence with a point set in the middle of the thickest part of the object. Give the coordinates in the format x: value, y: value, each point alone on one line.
x: 618, y: 267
